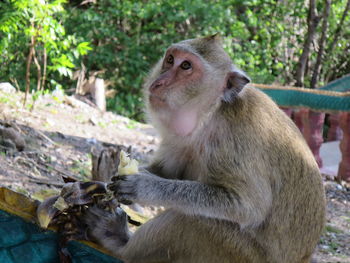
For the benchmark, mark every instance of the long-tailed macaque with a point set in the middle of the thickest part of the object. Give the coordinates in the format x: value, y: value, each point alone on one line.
x: 235, y: 175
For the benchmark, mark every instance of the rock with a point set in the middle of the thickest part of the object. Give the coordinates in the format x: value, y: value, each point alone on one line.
x: 58, y: 93
x: 10, y: 134
x: 8, y: 144
x: 339, y: 187
x: 91, y: 141
x: 325, y: 247
x: 7, y: 87
x: 93, y: 120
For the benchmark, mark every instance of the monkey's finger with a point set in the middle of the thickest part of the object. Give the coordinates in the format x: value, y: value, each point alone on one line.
x: 92, y: 215
x: 120, y: 212
x: 95, y: 217
x: 90, y: 218
x: 120, y: 216
x: 112, y: 187
x: 97, y: 212
x: 119, y: 178
x: 124, y: 201
x: 124, y: 192
x: 121, y: 187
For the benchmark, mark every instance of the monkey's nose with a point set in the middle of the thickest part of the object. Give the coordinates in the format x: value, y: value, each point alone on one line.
x: 156, y: 85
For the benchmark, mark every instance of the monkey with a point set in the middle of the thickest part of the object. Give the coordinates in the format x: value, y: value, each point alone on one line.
x: 237, y: 180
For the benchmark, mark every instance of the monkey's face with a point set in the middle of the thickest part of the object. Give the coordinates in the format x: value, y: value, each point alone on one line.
x: 189, y: 83
x: 181, y: 75
x: 181, y: 89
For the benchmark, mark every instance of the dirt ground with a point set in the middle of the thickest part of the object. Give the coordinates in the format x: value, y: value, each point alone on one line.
x: 61, y: 131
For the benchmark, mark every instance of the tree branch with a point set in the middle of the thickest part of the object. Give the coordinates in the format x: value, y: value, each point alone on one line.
x: 317, y: 66
x: 337, y: 32
x: 44, y: 70
x: 29, y: 61
x: 313, y: 21
x: 330, y: 74
x: 38, y: 67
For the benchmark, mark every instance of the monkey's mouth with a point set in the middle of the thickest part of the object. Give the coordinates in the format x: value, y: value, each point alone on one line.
x: 156, y: 100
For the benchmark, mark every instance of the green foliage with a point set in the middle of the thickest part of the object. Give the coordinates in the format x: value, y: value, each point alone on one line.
x: 332, y: 229
x: 39, y: 21
x: 263, y: 37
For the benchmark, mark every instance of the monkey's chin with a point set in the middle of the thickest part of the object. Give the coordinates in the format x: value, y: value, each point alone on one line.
x: 157, y: 102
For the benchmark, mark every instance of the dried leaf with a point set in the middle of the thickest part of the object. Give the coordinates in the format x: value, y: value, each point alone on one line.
x: 46, y: 211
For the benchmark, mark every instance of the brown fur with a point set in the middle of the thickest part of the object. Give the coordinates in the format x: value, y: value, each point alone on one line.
x: 242, y: 187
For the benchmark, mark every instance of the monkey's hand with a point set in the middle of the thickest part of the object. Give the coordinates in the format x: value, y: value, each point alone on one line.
x: 131, y: 188
x: 108, y: 228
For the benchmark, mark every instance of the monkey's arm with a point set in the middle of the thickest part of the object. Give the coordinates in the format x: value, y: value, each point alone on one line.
x: 156, y: 169
x: 244, y: 202
x: 153, y: 169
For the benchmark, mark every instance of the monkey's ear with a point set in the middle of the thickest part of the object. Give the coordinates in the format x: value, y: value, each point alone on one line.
x: 235, y: 82
x: 216, y: 37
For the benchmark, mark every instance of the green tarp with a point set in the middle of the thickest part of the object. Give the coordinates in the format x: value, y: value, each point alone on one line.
x: 24, y: 242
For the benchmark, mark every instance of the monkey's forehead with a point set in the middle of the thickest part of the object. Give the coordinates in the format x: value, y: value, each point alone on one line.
x: 184, y: 47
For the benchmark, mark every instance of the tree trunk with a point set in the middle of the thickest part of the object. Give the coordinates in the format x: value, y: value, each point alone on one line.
x: 44, y: 70
x: 98, y: 94
x: 29, y: 61
x: 317, y: 66
x: 38, y: 67
x: 313, y: 21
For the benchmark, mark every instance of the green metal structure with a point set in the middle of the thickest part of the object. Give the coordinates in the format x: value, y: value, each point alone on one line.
x: 334, y: 97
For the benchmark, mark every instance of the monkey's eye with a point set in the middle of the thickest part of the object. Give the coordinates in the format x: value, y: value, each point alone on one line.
x: 170, y: 60
x: 186, y: 65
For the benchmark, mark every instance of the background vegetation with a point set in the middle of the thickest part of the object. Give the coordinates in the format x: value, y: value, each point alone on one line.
x: 298, y: 42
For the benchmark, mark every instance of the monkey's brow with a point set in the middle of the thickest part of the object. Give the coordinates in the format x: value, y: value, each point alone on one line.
x: 185, y: 48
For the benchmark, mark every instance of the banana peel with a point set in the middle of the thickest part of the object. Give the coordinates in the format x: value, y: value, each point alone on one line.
x: 18, y: 204
x: 46, y: 211
x: 127, y: 165
x: 75, y: 194
x: 72, y: 194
